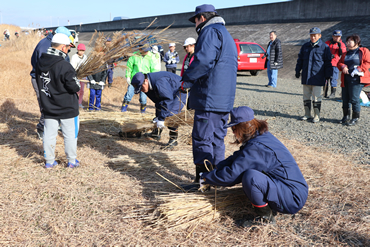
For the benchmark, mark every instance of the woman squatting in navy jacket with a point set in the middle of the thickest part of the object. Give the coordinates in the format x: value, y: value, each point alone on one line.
x: 269, y: 174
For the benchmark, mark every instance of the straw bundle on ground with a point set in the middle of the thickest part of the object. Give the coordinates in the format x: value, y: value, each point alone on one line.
x: 189, y: 209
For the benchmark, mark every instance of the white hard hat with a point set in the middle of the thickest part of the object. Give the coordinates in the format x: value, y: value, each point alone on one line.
x: 60, y: 38
x: 171, y: 44
x: 155, y: 49
x: 189, y: 41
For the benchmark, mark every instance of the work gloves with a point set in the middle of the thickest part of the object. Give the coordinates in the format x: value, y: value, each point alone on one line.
x: 297, y: 75
x: 356, y: 72
x: 155, y: 120
x: 160, y: 124
x: 202, y: 183
x: 275, y: 63
x: 128, y: 81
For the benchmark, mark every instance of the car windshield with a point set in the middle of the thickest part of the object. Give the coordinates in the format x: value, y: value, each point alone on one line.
x: 250, y: 48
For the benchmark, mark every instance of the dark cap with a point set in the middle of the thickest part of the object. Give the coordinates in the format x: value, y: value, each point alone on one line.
x: 137, y: 81
x: 239, y: 115
x: 315, y: 30
x: 201, y: 9
x: 337, y: 33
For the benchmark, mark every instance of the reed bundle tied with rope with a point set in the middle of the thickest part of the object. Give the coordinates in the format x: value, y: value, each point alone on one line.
x: 123, y: 45
x: 189, y: 209
x: 184, y: 118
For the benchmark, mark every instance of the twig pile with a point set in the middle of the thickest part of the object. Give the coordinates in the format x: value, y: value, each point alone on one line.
x: 123, y: 45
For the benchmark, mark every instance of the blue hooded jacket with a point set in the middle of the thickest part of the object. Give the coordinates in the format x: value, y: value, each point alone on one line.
x: 42, y: 47
x: 165, y: 93
x: 315, y: 63
x: 264, y: 153
x: 212, y: 74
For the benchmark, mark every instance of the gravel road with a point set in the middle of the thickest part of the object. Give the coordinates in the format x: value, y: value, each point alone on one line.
x: 283, y: 106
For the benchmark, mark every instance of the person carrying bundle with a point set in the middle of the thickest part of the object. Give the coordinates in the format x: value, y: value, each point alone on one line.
x: 270, y: 176
x: 163, y: 89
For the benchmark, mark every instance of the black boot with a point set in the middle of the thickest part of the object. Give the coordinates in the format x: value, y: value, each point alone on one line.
x: 307, y: 110
x: 333, y: 91
x: 155, y: 134
x: 355, y: 118
x: 265, y: 215
x: 346, y: 116
x: 199, y: 169
x: 173, y: 140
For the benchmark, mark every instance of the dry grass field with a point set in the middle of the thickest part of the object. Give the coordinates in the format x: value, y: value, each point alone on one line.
x: 104, y: 201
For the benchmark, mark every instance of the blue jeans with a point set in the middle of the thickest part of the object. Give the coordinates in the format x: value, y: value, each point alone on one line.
x: 130, y: 93
x: 208, y: 136
x: 334, y: 79
x: 351, y: 95
x: 272, y: 75
x: 95, y: 99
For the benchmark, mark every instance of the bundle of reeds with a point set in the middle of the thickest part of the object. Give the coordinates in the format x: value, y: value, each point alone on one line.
x: 123, y: 45
x: 185, y: 210
x: 184, y: 118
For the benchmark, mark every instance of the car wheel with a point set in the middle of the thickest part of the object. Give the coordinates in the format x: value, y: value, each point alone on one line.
x: 254, y: 72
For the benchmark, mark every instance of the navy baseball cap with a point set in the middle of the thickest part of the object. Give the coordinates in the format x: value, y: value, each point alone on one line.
x: 239, y: 115
x: 137, y: 81
x: 315, y: 30
x: 201, y: 9
x: 337, y: 33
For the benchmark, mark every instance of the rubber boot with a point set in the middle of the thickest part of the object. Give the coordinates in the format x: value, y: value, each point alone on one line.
x: 124, y: 106
x: 316, y: 110
x: 155, y: 134
x: 307, y: 110
x: 333, y: 91
x: 173, y: 140
x: 265, y: 215
x: 326, y: 89
x: 142, y: 108
x: 355, y: 118
x: 346, y: 116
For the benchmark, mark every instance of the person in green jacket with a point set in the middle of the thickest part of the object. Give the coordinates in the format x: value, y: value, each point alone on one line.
x: 142, y: 61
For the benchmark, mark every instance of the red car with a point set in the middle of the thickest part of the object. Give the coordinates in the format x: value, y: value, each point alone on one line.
x: 250, y: 57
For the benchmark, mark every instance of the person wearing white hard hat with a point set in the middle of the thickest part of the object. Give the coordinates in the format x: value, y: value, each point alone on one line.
x: 171, y: 58
x: 157, y: 57
x: 189, y: 46
x: 42, y: 47
x: 58, y: 87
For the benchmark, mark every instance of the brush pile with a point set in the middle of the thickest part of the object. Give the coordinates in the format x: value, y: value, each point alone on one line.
x: 123, y: 45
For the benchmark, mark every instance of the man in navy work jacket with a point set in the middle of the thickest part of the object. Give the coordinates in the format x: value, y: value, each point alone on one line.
x: 212, y: 79
x: 163, y: 89
x: 314, y: 60
x: 269, y: 174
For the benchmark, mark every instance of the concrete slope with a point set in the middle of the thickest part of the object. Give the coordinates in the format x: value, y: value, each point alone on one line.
x: 292, y: 35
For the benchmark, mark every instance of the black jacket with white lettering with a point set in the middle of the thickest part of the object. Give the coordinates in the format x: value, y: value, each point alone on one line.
x: 58, y: 85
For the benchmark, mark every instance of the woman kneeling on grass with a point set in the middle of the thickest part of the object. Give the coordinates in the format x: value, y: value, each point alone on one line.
x: 269, y: 174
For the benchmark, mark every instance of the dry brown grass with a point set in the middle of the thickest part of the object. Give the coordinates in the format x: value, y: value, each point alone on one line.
x: 95, y: 204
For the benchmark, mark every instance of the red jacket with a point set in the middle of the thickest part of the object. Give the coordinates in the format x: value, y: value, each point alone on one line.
x: 183, y: 63
x: 363, y: 67
x: 335, y: 51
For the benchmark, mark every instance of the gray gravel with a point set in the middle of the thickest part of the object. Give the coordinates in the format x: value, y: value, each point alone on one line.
x: 283, y: 106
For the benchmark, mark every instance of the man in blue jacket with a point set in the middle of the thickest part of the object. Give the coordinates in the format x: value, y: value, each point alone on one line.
x: 212, y: 79
x: 314, y: 60
x: 42, y: 47
x: 163, y: 89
